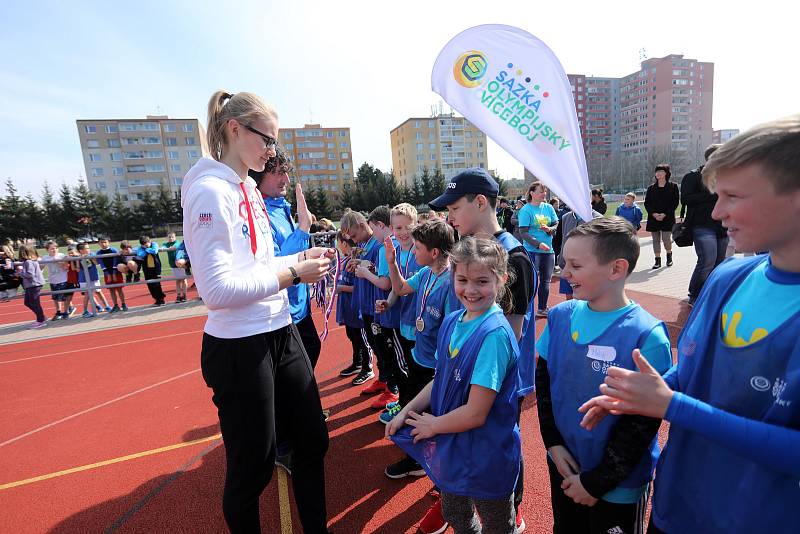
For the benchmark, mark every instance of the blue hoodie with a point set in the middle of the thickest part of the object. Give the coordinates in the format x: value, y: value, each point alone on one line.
x: 288, y: 240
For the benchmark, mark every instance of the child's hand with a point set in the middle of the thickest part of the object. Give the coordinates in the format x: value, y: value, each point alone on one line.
x: 544, y: 247
x: 594, y: 411
x: 362, y: 271
x: 574, y: 490
x: 388, y: 247
x: 395, y: 424
x: 423, y: 425
x: 630, y: 392
x: 565, y: 463
x: 381, y: 306
x: 318, y: 252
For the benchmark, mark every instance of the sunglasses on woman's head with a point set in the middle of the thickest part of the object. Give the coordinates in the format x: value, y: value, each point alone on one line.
x: 269, y: 141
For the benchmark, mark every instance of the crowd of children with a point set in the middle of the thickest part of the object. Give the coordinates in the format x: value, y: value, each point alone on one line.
x: 604, y: 377
x: 67, y: 275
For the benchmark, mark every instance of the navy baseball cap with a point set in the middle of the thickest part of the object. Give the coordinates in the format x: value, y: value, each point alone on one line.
x: 474, y: 181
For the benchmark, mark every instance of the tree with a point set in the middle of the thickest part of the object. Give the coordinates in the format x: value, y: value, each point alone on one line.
x: 51, y: 212
x: 32, y: 220
x: 319, y: 203
x: 147, y: 212
x: 12, y: 217
x: 349, y: 197
x: 164, y: 206
x: 121, y: 221
x: 68, y: 215
x: 84, y: 208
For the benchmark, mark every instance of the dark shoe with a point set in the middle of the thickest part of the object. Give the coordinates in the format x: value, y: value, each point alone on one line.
x: 285, y: 462
x: 363, y: 377
x: 350, y: 370
x: 669, y: 259
x: 404, y: 468
x: 657, y: 264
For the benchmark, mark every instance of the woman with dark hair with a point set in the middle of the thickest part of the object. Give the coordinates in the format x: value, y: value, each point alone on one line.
x: 661, y: 201
x: 598, y: 202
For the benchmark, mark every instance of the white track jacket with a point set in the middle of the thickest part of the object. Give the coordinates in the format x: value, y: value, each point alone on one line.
x: 235, y: 274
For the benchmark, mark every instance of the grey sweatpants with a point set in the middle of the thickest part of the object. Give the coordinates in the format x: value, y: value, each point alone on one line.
x: 475, y: 516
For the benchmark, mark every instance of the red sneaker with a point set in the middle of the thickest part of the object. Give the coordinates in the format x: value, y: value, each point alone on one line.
x: 520, y: 524
x: 433, y: 522
x: 375, y: 387
x: 385, y: 398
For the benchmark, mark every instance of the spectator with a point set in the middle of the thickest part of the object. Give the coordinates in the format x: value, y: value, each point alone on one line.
x: 661, y: 201
x: 504, y: 215
x: 32, y: 281
x: 89, y: 264
x: 57, y: 276
x: 710, y: 238
x: 599, y: 202
x: 151, y: 265
x: 629, y: 211
x: 130, y: 264
x: 111, y: 274
x: 178, y: 272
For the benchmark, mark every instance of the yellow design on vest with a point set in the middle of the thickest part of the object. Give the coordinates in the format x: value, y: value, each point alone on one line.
x: 453, y: 351
x: 731, y: 338
x: 575, y: 336
x: 150, y: 261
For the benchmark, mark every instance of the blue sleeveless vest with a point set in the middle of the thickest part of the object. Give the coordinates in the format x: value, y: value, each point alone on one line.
x: 700, y: 485
x: 391, y: 317
x: 433, y: 315
x: 576, y: 372
x: 364, y: 290
x: 346, y: 312
x: 527, y: 341
x: 482, y: 463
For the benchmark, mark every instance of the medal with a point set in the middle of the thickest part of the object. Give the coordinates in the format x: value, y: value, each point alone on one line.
x: 428, y: 288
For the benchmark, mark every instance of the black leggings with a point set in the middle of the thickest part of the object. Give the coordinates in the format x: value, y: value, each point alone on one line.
x: 308, y: 335
x: 253, y: 379
x: 155, y: 288
x: 383, y: 345
x: 361, y: 355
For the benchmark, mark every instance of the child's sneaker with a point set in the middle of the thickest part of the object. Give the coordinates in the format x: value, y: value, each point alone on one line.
x: 387, y: 416
x: 391, y: 405
x: 56, y: 317
x: 108, y: 309
x: 404, y: 468
x: 115, y: 309
x: 433, y: 522
x: 37, y: 324
x: 124, y: 307
x: 72, y: 311
x: 542, y: 313
x: 87, y: 314
x: 385, y: 398
x: 520, y: 523
x: 375, y: 387
x: 351, y: 369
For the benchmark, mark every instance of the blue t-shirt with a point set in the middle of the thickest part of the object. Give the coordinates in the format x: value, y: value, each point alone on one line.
x: 587, y: 325
x: 421, y: 277
x: 742, y: 323
x: 534, y: 217
x: 495, y: 355
x: 404, y: 260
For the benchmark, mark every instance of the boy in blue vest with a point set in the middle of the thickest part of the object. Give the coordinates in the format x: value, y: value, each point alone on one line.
x: 390, y: 313
x: 732, y: 460
x: 368, y: 287
x: 433, y: 299
x: 630, y: 211
x: 347, y: 313
x: 598, y: 480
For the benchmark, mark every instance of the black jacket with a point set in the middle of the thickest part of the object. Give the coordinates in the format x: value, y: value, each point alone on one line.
x: 699, y: 202
x: 661, y: 200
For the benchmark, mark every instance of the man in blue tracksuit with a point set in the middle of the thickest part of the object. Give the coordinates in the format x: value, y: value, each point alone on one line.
x: 289, y: 238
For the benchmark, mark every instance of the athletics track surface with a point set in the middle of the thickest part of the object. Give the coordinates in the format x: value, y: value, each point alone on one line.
x: 114, y: 431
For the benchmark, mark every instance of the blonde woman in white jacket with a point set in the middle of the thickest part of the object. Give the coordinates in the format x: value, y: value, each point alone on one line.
x: 252, y: 357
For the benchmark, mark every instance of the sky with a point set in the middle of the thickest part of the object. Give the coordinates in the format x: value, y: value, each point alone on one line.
x: 363, y: 65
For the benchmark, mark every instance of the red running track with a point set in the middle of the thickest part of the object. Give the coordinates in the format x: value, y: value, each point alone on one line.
x: 79, y: 400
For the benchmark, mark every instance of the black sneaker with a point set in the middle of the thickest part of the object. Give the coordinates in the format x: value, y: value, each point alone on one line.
x: 363, y: 377
x: 404, y: 468
x: 285, y: 462
x: 350, y: 370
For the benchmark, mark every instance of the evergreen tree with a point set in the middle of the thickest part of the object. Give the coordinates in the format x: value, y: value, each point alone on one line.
x: 349, y: 198
x: 32, y: 219
x: 51, y: 212
x: 122, y: 221
x: 319, y: 203
x: 12, y: 224
x: 164, y: 206
x: 101, y: 214
x: 68, y: 215
x: 147, y: 212
x: 84, y: 208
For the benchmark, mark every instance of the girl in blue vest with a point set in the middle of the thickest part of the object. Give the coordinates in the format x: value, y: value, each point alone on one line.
x: 462, y: 428
x: 598, y: 480
x: 732, y: 460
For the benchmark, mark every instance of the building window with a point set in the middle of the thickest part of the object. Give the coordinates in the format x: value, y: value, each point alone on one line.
x: 420, y: 157
x: 152, y: 141
x: 190, y: 141
x: 135, y: 168
x: 343, y: 144
x: 95, y: 157
x: 90, y: 128
x: 116, y: 156
x: 433, y: 157
x: 172, y: 154
x: 193, y: 154
x: 121, y: 184
x: 154, y: 168
x: 345, y: 166
x: 418, y: 135
x: 431, y: 124
x: 344, y: 155
x: 111, y: 128
x: 331, y: 155
x: 188, y: 128
x: 169, y: 128
x: 174, y: 167
x: 171, y: 141
x: 416, y: 124
x: 117, y: 171
x: 420, y: 146
x: 113, y: 143
x: 100, y: 184
x: 468, y: 134
x: 93, y: 143
x: 342, y: 133
x: 96, y: 171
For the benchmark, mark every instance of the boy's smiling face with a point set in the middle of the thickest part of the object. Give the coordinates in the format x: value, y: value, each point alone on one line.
x: 588, y: 278
x: 757, y: 217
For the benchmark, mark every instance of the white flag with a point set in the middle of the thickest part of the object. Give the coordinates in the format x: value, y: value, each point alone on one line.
x: 512, y: 87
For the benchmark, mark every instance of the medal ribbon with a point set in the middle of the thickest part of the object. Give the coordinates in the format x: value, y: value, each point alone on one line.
x: 322, y: 288
x: 428, y: 289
